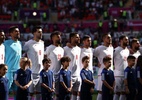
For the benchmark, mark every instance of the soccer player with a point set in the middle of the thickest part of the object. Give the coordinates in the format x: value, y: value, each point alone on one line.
x: 120, y: 63
x: 135, y: 47
x: 2, y: 47
x: 100, y: 52
x: 3, y: 82
x: 129, y: 79
x: 87, y: 87
x: 13, y: 52
x: 73, y: 53
x: 23, y: 79
x: 65, y: 84
x: 47, y: 80
x: 55, y: 52
x: 87, y: 51
x: 34, y: 49
x: 108, y: 80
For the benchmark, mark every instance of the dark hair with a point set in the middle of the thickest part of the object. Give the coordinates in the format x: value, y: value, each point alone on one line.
x: 139, y: 62
x: 131, y: 57
x: 122, y: 37
x: 72, y: 35
x: 84, y: 58
x: 12, y: 28
x: 106, y: 59
x: 133, y: 41
x: 35, y: 28
x: 104, y: 35
x: 85, y: 37
x: 2, y: 65
x: 65, y: 59
x: 55, y: 33
x: 46, y: 60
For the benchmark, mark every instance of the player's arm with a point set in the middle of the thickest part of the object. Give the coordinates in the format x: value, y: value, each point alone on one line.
x: 126, y: 82
x: 46, y: 52
x: 62, y: 82
x: 86, y: 80
x: 43, y: 84
x: 16, y: 81
x: 105, y: 82
x: 138, y: 76
x: 26, y: 86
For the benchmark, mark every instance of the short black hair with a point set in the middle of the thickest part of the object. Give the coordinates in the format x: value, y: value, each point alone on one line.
x: 131, y: 57
x: 55, y: 33
x: 12, y: 28
x: 2, y: 65
x: 106, y: 59
x: 85, y: 37
x: 46, y: 60
x: 65, y: 59
x: 122, y: 37
x: 134, y: 40
x: 35, y: 28
x: 72, y: 35
x: 104, y: 35
x: 84, y: 58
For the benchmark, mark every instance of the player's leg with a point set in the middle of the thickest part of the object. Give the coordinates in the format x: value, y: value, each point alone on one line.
x: 99, y: 88
x: 76, y: 88
x: 117, y: 88
x: 11, y: 85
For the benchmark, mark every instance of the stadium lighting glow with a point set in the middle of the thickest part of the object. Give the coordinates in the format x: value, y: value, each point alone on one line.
x: 34, y: 13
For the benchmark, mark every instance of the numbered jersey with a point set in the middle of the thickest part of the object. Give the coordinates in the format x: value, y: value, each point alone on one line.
x: 2, y: 53
x: 35, y: 52
x: 54, y: 53
x: 74, y: 54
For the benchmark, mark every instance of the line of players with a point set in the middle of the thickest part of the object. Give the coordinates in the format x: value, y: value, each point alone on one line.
x: 34, y: 50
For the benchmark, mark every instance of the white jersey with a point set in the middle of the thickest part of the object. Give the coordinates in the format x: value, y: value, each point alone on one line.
x: 74, y: 55
x: 35, y: 52
x: 120, y: 60
x: 54, y: 53
x: 101, y: 52
x: 2, y: 53
x: 136, y: 54
x: 87, y: 52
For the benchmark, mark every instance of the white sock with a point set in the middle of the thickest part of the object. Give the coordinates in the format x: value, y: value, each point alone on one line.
x: 74, y: 97
x: 116, y: 97
x: 78, y: 97
x: 99, y: 96
x: 122, y: 97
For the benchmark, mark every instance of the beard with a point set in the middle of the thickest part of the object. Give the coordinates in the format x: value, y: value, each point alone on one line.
x: 125, y: 44
x: 77, y: 42
x: 58, y: 41
x: 137, y: 48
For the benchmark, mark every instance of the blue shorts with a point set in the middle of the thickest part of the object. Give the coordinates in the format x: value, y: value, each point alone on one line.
x: 11, y: 84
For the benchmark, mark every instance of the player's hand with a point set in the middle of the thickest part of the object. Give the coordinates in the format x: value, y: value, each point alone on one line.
x: 127, y: 90
x: 92, y: 90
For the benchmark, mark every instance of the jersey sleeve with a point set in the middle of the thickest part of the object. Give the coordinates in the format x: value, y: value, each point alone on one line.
x: 83, y: 77
x: 47, y: 51
x: 103, y: 76
x: 125, y: 74
x: 26, y: 47
x: 15, y: 76
x: 41, y: 77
